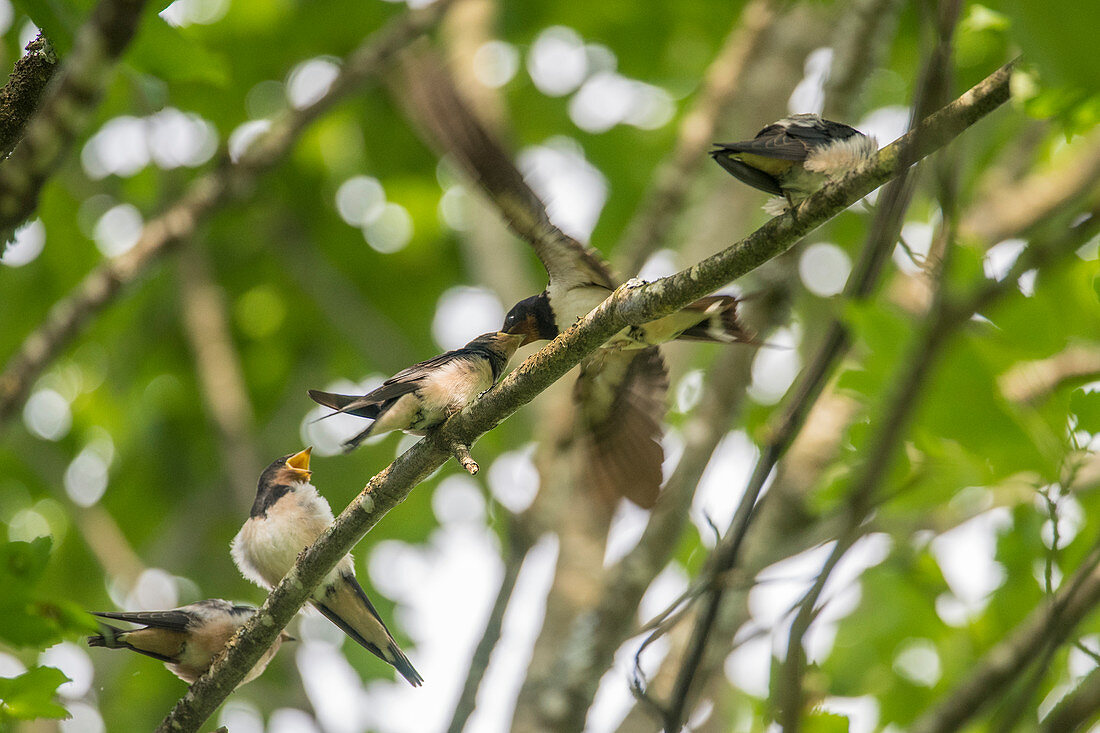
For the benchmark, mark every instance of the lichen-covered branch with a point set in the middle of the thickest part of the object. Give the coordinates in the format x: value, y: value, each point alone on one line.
x: 20, y: 96
x: 646, y: 302
x: 66, y: 108
x: 233, y: 180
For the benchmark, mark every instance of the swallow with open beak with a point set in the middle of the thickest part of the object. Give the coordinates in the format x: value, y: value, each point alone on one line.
x: 424, y: 395
x: 187, y: 639
x: 287, y: 517
x: 795, y: 157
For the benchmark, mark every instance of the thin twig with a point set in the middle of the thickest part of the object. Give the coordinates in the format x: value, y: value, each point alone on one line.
x: 221, y: 377
x: 390, y: 487
x: 461, y: 452
x: 835, y: 344
x: 1048, y: 625
x: 1078, y: 707
x: 519, y: 542
x: 213, y: 191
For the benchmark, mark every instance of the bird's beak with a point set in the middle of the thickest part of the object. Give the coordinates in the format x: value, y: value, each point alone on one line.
x: 299, y: 463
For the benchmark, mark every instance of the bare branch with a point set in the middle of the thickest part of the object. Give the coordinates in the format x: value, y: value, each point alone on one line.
x: 393, y: 484
x: 461, y: 452
x: 178, y: 223
x: 221, y: 377
x: 1033, y: 381
x: 1010, y: 211
x: 1078, y: 707
x: 519, y: 542
x: 66, y: 109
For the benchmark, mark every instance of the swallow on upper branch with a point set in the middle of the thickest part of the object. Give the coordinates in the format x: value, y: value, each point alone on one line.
x: 424, y: 395
x: 795, y: 157
x: 621, y: 390
x: 287, y: 517
x: 187, y: 639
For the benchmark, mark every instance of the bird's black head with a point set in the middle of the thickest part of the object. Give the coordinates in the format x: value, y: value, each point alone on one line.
x: 278, y: 478
x: 533, y: 317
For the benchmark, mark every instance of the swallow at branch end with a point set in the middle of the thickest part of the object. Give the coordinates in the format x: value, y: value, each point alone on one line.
x: 424, y: 395
x: 187, y: 639
x: 287, y: 517
x: 794, y: 157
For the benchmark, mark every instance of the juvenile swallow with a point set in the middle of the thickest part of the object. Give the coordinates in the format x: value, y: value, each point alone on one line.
x: 287, y: 517
x: 187, y: 639
x: 795, y: 157
x: 424, y: 395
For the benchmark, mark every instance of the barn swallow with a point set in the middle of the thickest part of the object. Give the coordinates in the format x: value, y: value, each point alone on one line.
x: 424, y: 395
x: 795, y: 157
x: 620, y: 391
x: 187, y: 639
x: 713, y: 318
x: 287, y: 517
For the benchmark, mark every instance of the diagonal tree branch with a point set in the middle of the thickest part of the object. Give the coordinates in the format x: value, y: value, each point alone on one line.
x: 923, y: 353
x: 884, y: 230
x: 66, y: 109
x: 1050, y: 624
x: 20, y: 96
x: 629, y: 302
x: 519, y: 542
x: 213, y: 191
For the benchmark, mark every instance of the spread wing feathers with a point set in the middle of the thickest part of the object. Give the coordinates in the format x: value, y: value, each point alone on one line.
x: 453, y: 129
x: 621, y: 397
x: 170, y: 620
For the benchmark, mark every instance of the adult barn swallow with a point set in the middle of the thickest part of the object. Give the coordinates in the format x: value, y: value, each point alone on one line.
x: 795, y: 156
x: 186, y: 639
x: 620, y: 392
x: 287, y: 516
x: 424, y: 395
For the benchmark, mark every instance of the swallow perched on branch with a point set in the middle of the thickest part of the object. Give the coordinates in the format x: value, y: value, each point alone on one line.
x: 187, y: 639
x: 795, y: 157
x: 287, y: 517
x: 424, y: 395
x: 620, y: 393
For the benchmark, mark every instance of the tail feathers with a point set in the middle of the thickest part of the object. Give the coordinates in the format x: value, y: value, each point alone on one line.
x: 721, y: 323
x: 391, y: 654
x: 344, y: 403
x: 111, y: 637
x: 352, y: 443
x: 401, y: 663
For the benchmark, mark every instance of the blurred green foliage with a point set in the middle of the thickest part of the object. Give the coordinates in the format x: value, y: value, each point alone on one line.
x: 308, y: 301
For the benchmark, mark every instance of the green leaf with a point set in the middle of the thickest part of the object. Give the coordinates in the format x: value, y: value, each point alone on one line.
x: 173, y: 55
x: 1086, y: 406
x: 58, y: 19
x: 31, y: 695
x: 822, y: 722
x: 22, y: 563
